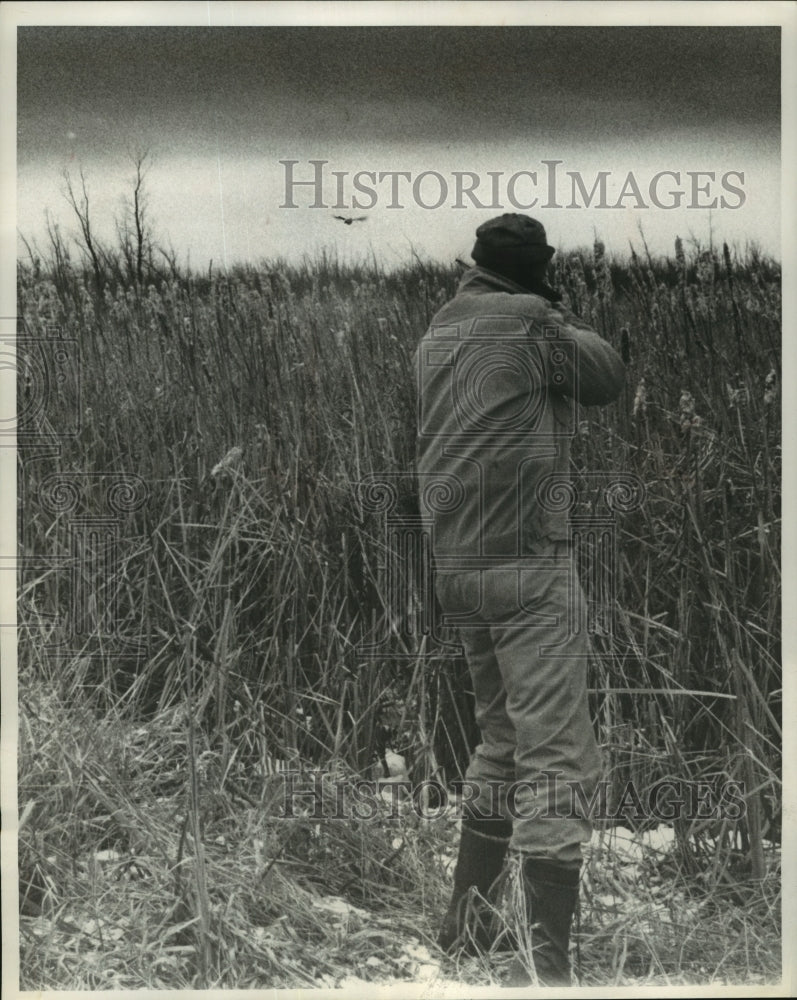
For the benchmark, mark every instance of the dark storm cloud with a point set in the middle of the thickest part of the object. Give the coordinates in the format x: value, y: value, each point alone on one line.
x: 356, y: 84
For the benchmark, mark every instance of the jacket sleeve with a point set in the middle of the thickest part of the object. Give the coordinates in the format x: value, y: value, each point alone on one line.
x: 586, y: 367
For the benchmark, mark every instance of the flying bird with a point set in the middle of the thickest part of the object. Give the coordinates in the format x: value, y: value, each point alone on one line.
x: 348, y: 222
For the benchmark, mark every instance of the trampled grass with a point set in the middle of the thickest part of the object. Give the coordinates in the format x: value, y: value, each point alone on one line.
x: 247, y: 573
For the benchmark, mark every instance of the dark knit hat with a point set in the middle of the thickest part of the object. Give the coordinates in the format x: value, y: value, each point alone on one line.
x: 509, y: 237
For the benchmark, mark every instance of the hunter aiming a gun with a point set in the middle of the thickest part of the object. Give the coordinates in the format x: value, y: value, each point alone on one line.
x: 500, y: 370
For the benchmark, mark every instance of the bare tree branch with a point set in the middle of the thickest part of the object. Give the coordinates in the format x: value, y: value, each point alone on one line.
x: 79, y: 202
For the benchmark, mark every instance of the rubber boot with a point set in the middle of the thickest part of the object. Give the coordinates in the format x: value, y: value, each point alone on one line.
x: 551, y: 895
x: 467, y: 924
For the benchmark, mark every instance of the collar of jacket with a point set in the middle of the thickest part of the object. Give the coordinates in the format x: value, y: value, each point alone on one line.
x: 480, y: 279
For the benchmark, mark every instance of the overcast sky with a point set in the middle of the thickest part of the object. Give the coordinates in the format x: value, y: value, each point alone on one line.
x: 220, y: 107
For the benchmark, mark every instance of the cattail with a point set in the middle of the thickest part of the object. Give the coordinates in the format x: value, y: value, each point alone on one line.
x: 640, y: 399
x: 706, y: 268
x: 686, y: 412
x: 737, y: 396
x: 576, y: 265
x: 229, y: 460
x: 680, y: 256
x: 625, y: 345
x: 770, y: 388
x: 598, y: 250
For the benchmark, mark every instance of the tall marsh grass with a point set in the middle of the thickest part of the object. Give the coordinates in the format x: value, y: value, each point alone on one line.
x: 251, y: 405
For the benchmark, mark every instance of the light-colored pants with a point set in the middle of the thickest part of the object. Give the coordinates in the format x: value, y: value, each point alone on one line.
x: 527, y: 648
